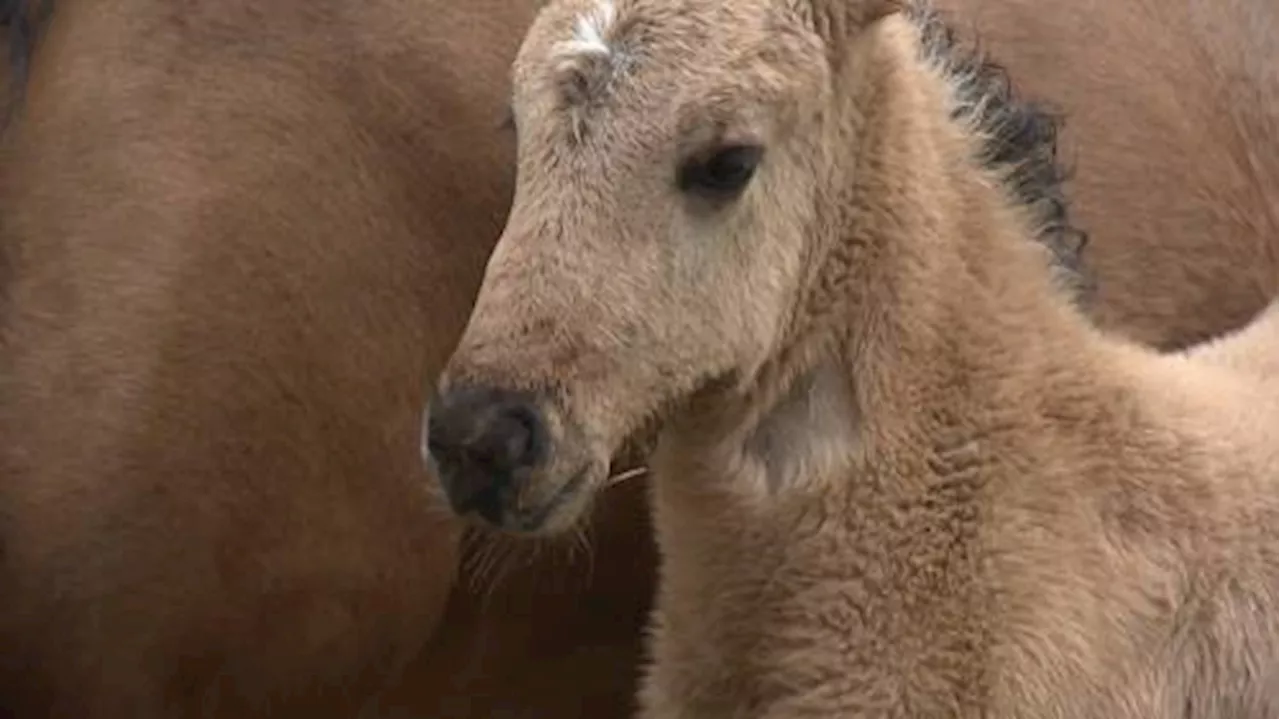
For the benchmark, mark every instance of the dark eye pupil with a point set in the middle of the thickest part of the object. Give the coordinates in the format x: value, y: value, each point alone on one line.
x: 728, y: 168
x: 723, y: 174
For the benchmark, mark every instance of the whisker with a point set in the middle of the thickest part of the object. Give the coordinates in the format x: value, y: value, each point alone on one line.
x: 625, y: 475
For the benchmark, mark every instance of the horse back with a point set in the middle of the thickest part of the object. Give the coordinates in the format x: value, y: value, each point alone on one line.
x: 1170, y: 133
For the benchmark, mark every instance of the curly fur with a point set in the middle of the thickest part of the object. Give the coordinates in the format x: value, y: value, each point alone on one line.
x: 928, y: 487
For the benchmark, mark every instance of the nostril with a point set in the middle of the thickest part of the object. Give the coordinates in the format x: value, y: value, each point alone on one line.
x: 521, y: 436
x: 511, y: 441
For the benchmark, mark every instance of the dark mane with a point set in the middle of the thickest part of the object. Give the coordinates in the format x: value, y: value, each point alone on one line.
x: 22, y: 21
x: 1020, y: 140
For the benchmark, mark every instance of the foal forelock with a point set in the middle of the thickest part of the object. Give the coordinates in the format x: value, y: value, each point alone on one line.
x: 590, y: 33
x: 1019, y: 139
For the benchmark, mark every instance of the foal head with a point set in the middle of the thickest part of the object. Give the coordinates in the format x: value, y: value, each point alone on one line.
x: 684, y: 170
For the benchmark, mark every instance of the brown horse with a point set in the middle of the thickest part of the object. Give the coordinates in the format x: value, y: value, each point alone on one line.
x: 242, y: 234
x: 900, y: 474
x: 237, y: 234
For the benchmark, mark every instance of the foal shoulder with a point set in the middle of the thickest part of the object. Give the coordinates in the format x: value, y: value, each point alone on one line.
x: 1235, y: 380
x: 1222, y: 408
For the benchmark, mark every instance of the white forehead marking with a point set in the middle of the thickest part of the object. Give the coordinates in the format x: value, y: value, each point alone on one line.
x: 590, y: 31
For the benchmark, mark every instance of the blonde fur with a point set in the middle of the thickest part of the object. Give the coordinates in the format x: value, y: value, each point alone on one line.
x: 902, y: 475
x: 590, y: 32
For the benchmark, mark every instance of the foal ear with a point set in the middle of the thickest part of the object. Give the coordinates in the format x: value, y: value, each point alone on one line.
x: 836, y: 21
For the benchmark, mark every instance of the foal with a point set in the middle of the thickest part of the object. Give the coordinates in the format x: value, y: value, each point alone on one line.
x: 901, y: 474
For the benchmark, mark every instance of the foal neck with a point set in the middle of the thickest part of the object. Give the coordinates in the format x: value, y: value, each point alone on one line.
x: 856, y: 472
x: 935, y: 288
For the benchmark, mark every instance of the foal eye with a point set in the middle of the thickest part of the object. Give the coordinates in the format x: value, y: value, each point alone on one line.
x: 723, y: 174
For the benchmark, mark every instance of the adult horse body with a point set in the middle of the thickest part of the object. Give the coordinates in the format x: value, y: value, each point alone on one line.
x: 1171, y: 136
x: 242, y: 234
x: 235, y: 233
x: 239, y: 235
